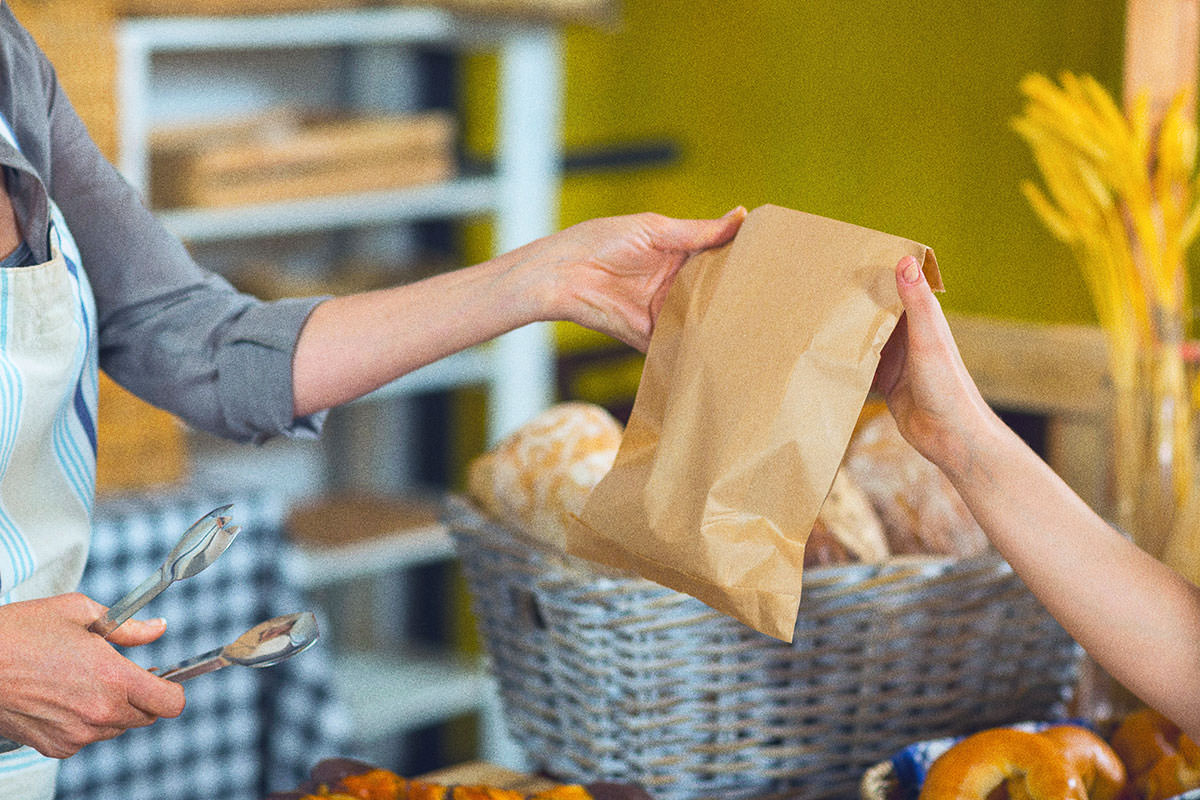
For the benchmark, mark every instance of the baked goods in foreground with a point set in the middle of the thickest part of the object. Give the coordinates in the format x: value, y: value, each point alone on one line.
x: 350, y: 779
x: 1162, y: 760
x: 1064, y: 762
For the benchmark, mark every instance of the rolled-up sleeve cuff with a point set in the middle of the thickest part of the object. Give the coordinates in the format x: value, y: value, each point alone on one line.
x: 254, y: 365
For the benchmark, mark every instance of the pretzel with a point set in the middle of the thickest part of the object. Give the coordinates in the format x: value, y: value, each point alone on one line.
x: 1064, y: 762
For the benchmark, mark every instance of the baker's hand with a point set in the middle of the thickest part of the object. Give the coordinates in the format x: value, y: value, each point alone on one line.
x: 62, y: 687
x: 933, y: 398
x: 612, y: 274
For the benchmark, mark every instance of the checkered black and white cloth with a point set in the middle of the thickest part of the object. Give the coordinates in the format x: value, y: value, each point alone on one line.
x: 245, y: 732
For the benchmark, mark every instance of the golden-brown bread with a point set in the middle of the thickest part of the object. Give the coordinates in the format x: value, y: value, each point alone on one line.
x: 421, y: 790
x: 1170, y: 775
x: 823, y: 548
x: 921, y: 511
x: 1162, y: 760
x: 847, y: 514
x: 1030, y: 765
x: 375, y: 784
x: 1099, y: 767
x: 541, y: 474
x: 485, y: 793
x: 1142, y: 738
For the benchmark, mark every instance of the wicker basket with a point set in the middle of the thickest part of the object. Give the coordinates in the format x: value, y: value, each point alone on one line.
x: 619, y: 678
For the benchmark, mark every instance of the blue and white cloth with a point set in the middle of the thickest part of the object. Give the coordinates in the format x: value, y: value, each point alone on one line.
x: 244, y: 732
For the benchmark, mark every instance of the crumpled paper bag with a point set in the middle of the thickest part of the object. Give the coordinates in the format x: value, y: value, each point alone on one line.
x: 761, y: 359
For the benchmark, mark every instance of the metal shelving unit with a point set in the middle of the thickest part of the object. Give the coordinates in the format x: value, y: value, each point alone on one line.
x: 521, y: 197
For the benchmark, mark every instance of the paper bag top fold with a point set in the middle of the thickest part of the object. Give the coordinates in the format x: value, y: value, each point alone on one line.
x: 759, y: 365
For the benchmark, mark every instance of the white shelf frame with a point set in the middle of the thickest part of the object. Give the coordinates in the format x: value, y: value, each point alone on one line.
x: 319, y: 568
x: 459, y: 198
x: 522, y: 197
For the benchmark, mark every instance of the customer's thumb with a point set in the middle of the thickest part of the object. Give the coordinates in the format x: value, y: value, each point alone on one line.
x: 915, y: 292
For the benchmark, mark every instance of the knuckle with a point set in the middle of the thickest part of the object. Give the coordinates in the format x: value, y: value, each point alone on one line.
x: 105, y: 710
x: 77, y: 603
x: 56, y: 751
x: 72, y: 741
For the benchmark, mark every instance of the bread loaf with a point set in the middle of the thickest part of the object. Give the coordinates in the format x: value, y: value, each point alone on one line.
x: 921, y: 511
x: 542, y: 473
x: 848, y: 516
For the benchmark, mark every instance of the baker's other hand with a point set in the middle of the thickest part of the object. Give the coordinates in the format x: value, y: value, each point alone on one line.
x: 933, y: 398
x: 63, y: 687
x: 612, y: 274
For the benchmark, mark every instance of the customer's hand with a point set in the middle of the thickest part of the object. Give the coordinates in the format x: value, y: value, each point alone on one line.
x: 63, y: 687
x: 612, y: 274
x: 937, y: 406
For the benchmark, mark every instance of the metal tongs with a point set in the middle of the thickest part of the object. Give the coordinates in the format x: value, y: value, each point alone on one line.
x: 200, y: 546
x: 264, y: 645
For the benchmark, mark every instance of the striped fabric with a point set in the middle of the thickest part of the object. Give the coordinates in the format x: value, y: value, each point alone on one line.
x: 48, y: 399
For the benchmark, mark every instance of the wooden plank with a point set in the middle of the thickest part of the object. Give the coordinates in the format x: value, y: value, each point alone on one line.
x: 485, y: 774
x: 1049, y: 369
x: 1060, y: 372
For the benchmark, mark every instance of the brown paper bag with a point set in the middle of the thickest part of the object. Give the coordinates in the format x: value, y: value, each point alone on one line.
x: 760, y: 362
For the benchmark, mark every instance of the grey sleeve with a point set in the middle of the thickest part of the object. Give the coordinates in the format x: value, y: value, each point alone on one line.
x: 172, y: 333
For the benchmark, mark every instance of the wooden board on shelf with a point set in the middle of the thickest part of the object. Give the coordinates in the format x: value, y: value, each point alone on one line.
x: 359, y: 535
x: 77, y: 37
x: 347, y: 518
x: 139, y: 447
x: 1056, y: 371
x: 282, y: 155
x: 485, y: 774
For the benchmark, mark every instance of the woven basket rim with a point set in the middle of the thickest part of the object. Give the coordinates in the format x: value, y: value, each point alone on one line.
x: 462, y: 515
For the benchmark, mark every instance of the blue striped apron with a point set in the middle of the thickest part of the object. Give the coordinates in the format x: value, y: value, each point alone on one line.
x: 48, y: 399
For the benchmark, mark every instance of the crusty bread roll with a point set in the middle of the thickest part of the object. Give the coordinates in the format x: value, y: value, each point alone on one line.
x: 921, y: 511
x: 822, y: 549
x: 848, y: 516
x: 1142, y: 738
x: 542, y: 473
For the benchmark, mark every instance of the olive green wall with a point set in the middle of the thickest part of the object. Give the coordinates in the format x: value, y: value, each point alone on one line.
x: 892, y: 115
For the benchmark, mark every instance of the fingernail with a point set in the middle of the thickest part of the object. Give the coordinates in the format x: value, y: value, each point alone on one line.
x: 910, y: 271
x: 732, y: 211
x: 161, y: 621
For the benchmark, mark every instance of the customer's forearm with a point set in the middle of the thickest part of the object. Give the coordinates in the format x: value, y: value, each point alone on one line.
x: 1136, y: 617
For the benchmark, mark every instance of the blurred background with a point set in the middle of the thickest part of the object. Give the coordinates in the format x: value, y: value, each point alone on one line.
x: 308, y: 147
